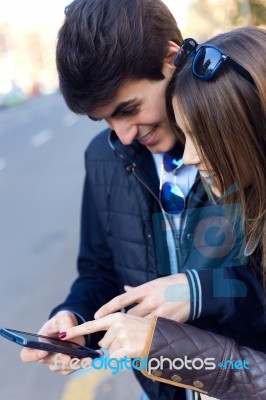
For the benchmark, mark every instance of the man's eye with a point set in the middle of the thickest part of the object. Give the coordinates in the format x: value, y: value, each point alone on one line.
x: 129, y: 111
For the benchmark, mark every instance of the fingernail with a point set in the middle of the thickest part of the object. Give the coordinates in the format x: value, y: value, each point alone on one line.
x: 97, y: 315
x: 62, y: 335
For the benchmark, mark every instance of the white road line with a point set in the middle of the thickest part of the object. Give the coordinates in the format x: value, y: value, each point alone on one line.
x: 41, y: 138
x: 70, y: 119
x: 2, y: 164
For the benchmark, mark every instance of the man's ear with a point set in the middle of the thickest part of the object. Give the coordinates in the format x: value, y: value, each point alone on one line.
x: 168, y: 62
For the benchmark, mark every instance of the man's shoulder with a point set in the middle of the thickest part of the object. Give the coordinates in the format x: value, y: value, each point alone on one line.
x: 99, y: 145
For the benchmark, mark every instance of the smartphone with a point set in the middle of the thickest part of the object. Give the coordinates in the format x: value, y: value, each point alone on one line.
x: 53, y: 345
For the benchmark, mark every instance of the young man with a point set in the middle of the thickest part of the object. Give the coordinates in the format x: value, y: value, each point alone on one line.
x: 115, y: 62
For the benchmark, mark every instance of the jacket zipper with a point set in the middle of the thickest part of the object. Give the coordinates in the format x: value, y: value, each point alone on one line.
x: 177, y: 247
x: 132, y: 168
x: 176, y: 236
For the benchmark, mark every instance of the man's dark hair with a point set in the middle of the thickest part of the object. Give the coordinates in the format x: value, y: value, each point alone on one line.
x: 104, y: 43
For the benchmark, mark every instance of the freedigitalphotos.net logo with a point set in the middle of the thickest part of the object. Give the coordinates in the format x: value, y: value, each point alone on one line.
x: 178, y: 364
x: 149, y: 364
x: 114, y: 364
x: 237, y: 365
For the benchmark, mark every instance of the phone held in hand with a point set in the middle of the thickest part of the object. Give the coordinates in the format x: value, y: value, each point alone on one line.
x: 46, y: 343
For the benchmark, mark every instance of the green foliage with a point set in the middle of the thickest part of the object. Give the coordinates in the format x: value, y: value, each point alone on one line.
x: 258, y: 12
x: 250, y: 11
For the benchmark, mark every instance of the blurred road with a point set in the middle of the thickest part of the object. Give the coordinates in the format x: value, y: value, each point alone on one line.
x: 41, y: 176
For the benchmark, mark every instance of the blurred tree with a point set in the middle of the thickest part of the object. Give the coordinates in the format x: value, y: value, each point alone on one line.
x: 250, y: 12
x: 258, y: 12
x: 209, y: 17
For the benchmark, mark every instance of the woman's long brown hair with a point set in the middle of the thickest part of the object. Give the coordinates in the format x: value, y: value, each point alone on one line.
x: 226, y: 118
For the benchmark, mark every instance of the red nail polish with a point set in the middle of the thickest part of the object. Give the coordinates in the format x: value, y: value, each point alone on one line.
x: 62, y: 335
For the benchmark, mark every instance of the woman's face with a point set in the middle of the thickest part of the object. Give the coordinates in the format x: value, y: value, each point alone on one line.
x: 191, y: 155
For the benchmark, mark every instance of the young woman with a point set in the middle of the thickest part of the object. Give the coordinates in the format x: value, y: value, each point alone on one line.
x: 219, y: 102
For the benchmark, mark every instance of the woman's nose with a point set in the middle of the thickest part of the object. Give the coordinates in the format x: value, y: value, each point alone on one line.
x: 190, y: 156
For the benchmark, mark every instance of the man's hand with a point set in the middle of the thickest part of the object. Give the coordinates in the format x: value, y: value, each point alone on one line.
x: 126, y: 334
x: 167, y: 297
x: 61, y: 321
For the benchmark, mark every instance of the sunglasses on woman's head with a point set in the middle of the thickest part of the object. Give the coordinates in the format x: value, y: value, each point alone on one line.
x: 208, y: 60
x: 171, y: 196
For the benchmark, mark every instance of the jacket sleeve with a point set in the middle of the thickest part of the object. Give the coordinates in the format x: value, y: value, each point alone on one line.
x: 224, y: 294
x: 223, y: 280
x: 207, y: 362
x: 96, y: 283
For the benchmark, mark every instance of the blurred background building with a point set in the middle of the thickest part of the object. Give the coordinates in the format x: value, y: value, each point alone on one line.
x: 28, y: 31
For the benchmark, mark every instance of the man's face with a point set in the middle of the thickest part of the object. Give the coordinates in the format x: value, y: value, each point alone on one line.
x: 138, y: 112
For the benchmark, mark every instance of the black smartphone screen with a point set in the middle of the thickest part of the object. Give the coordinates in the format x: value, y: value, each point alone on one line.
x: 54, y: 345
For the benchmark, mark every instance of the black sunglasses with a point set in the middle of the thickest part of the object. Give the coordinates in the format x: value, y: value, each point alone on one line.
x: 171, y: 196
x: 208, y: 59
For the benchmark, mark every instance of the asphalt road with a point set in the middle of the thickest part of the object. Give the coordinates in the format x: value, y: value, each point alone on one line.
x: 41, y: 176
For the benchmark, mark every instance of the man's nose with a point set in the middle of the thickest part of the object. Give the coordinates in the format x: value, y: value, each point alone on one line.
x: 126, y: 131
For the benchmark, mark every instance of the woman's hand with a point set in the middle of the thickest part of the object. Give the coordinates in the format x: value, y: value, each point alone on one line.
x: 126, y: 335
x: 167, y: 297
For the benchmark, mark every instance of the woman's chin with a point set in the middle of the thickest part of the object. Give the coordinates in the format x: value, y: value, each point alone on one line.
x: 215, y: 191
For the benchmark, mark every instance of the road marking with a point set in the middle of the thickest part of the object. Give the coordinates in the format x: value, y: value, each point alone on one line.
x: 87, y: 385
x: 70, y: 119
x: 41, y: 138
x: 83, y: 385
x: 2, y: 164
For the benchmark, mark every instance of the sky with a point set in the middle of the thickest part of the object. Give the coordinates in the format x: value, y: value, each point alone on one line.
x: 28, y: 12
